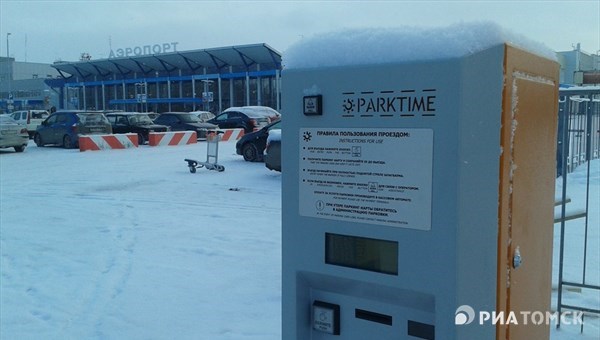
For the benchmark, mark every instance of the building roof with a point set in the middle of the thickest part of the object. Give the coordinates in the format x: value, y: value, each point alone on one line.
x: 244, y: 56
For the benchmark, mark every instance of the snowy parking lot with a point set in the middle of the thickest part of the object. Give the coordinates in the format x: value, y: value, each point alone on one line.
x: 128, y: 244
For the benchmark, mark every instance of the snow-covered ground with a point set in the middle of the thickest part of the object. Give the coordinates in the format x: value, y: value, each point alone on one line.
x: 128, y: 244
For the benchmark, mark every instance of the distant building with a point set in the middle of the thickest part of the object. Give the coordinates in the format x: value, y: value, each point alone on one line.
x: 22, y: 85
x: 579, y: 68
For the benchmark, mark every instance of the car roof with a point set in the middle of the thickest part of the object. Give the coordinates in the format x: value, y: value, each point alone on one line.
x: 254, y: 111
x: 125, y: 113
x: 77, y: 112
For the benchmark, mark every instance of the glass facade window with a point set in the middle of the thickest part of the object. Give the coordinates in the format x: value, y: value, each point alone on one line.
x: 225, y: 93
x: 151, y: 90
x: 163, y: 107
x: 130, y: 91
x: 109, y: 94
x: 90, y: 98
x: 268, y: 91
x: 163, y: 90
x: 187, y: 89
x: 253, y: 91
x: 119, y: 91
x: 179, y: 107
x: 176, y: 89
x: 185, y: 95
x: 239, y: 92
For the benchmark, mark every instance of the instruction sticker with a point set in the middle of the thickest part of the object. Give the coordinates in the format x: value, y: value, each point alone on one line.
x: 374, y: 176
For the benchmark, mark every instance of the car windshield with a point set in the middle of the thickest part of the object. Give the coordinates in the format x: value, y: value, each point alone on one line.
x: 39, y: 115
x: 140, y: 120
x: 92, y: 118
x: 6, y: 119
x: 189, y: 118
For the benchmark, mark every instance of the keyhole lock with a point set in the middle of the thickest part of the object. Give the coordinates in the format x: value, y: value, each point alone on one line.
x: 517, y: 259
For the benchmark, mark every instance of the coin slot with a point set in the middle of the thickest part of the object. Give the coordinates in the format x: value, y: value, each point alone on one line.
x: 374, y: 317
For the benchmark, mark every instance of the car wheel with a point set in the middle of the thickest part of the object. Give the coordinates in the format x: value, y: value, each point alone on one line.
x: 20, y: 148
x: 67, y: 142
x: 250, y: 153
x: 141, y: 139
x: 37, y: 139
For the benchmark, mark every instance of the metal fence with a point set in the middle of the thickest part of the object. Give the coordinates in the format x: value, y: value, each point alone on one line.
x: 578, y: 127
x: 578, y: 144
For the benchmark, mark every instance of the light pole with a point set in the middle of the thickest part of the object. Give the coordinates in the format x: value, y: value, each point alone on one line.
x: 141, y: 96
x: 9, y: 100
x: 7, y: 49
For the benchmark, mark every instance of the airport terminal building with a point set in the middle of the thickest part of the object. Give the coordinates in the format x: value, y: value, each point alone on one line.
x: 207, y: 79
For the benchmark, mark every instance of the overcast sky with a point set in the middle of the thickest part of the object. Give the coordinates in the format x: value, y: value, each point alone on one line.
x: 50, y: 30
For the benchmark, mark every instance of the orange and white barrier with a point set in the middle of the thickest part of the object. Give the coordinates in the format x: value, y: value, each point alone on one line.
x: 231, y: 135
x: 106, y: 142
x: 172, y: 138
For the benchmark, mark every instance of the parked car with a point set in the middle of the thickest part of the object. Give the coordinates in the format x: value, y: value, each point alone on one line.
x: 252, y: 145
x: 204, y: 116
x: 249, y: 118
x: 13, y: 134
x: 30, y: 118
x: 273, y: 151
x: 134, y: 122
x: 64, y: 127
x: 184, y: 121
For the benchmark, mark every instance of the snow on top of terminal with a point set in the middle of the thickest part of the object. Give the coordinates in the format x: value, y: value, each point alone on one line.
x: 392, y: 45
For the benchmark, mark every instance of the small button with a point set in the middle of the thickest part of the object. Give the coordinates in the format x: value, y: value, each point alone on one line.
x: 326, y: 317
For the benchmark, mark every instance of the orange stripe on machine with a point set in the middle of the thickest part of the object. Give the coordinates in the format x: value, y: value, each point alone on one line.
x: 108, y: 142
x: 172, y: 138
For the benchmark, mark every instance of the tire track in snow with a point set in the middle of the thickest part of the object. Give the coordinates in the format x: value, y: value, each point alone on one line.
x: 204, y: 203
x: 112, y: 278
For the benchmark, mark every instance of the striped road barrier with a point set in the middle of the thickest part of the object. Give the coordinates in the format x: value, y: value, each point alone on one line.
x: 172, y: 138
x: 108, y: 142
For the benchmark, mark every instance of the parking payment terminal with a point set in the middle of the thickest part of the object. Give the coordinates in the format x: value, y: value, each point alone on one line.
x: 418, y: 194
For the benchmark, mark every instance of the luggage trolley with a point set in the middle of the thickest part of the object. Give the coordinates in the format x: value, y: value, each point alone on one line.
x: 212, y: 154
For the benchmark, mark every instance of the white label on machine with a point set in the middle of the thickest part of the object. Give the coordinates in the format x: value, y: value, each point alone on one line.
x: 375, y: 176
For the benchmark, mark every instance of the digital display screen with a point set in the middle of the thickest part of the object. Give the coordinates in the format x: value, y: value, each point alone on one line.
x: 362, y: 253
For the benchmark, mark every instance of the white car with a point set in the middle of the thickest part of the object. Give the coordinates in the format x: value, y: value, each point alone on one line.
x: 12, y: 134
x: 30, y: 118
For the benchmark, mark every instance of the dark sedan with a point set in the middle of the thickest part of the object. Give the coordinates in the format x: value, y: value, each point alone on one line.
x: 133, y: 122
x: 252, y: 145
x: 249, y: 118
x: 183, y: 121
